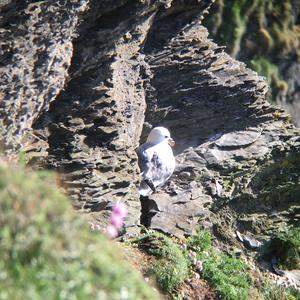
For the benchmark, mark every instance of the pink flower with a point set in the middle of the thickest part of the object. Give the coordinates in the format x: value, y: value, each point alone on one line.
x: 111, y: 231
x: 97, y: 226
x: 92, y: 225
x: 116, y: 221
x: 120, y: 209
x: 192, y: 254
x: 199, y: 265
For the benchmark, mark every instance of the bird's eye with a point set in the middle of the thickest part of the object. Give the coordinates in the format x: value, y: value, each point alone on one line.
x: 166, y: 136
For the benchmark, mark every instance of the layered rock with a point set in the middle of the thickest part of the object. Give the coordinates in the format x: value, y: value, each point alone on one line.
x: 36, y: 49
x: 83, y: 77
x: 226, y: 133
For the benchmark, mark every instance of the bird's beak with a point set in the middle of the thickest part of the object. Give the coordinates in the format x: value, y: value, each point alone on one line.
x: 171, y: 142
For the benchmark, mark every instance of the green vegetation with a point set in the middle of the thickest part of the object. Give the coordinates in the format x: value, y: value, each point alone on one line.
x: 172, y: 267
x: 272, y: 24
x: 226, y: 274
x: 292, y: 294
x: 271, y: 291
x: 229, y: 275
x: 169, y: 275
x: 236, y: 13
x: 200, y: 241
x: 279, y: 183
x: 285, y: 246
x: 48, y: 252
x: 264, y: 30
x: 269, y: 70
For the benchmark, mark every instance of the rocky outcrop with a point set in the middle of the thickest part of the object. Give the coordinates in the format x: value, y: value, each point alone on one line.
x: 226, y: 134
x: 85, y: 76
x: 36, y: 50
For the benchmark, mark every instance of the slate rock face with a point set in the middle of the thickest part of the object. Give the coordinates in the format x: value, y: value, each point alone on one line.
x: 36, y: 49
x: 83, y: 82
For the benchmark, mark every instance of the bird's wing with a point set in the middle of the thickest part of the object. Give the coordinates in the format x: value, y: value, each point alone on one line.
x: 144, y: 162
x: 157, y: 164
x: 164, y: 167
x: 154, y: 164
x: 144, y: 158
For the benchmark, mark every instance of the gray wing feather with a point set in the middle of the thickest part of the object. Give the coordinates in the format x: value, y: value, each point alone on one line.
x: 152, y: 167
x: 159, y: 171
x: 144, y: 159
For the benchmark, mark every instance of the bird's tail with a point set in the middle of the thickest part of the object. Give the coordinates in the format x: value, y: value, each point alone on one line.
x: 144, y: 189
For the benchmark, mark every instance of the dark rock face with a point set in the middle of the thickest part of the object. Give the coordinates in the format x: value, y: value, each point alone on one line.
x: 36, y: 49
x: 80, y: 79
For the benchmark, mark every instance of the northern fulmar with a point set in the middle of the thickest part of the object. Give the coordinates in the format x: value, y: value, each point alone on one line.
x: 156, y: 160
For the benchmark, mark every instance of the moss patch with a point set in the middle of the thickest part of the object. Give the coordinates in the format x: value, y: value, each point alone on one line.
x: 48, y: 252
x: 172, y: 267
x: 279, y: 183
x: 272, y: 23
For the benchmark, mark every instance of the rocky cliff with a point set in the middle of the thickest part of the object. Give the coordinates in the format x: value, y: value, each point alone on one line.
x: 82, y: 82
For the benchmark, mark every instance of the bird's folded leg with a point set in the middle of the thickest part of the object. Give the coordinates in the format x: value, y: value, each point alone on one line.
x: 150, y: 184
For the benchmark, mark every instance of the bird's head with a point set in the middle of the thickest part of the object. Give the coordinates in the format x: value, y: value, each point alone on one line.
x: 160, y: 134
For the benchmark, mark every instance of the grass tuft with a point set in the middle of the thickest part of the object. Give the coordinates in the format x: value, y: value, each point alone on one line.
x: 226, y: 274
x: 172, y: 267
x: 201, y: 241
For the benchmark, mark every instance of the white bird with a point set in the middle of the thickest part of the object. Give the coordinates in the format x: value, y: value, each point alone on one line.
x: 156, y: 160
